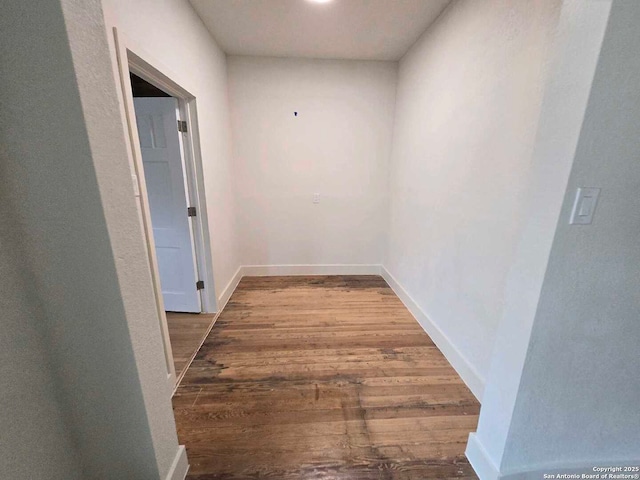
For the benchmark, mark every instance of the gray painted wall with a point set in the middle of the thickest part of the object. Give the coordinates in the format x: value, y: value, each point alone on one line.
x: 78, y: 281
x: 578, y: 397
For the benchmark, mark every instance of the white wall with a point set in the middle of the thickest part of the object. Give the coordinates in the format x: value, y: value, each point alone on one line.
x: 469, y: 95
x: 36, y: 442
x: 580, y: 33
x: 170, y: 36
x: 577, y: 401
x: 89, y: 361
x: 337, y: 146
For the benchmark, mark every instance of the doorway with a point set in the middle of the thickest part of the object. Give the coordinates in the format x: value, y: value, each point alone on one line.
x: 169, y: 184
x: 159, y: 134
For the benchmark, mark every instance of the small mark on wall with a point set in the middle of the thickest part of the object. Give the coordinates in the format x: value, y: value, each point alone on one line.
x: 295, y: 114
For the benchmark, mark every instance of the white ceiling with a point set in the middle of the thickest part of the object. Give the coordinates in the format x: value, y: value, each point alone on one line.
x: 351, y: 29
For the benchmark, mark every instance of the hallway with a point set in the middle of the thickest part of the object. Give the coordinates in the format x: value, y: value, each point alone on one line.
x: 322, y: 377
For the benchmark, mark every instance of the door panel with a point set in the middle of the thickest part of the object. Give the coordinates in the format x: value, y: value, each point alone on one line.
x: 163, y: 172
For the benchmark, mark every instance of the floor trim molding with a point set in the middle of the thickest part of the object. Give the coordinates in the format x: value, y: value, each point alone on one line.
x: 479, y: 459
x: 458, y: 361
x: 229, y: 289
x: 318, y: 269
x: 193, y: 355
x: 293, y: 269
x: 180, y: 466
x: 486, y: 469
x: 222, y: 302
x: 465, y: 369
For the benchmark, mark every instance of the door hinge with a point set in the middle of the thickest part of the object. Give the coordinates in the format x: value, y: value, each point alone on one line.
x: 200, y: 285
x: 191, y: 211
x: 182, y: 125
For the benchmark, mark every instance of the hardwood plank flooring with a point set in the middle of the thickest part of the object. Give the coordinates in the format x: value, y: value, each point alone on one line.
x: 186, y: 331
x: 324, y: 377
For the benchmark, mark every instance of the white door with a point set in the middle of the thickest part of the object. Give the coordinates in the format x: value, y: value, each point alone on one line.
x: 163, y: 172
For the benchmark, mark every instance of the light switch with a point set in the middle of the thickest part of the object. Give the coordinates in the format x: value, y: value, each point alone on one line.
x: 136, y: 186
x: 584, y: 206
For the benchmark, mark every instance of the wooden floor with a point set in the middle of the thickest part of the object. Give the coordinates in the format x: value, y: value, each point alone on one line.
x: 322, y: 378
x: 186, y: 331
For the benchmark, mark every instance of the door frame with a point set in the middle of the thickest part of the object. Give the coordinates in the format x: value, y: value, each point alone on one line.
x: 132, y: 59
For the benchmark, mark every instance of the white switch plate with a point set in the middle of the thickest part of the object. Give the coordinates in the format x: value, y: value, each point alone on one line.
x: 584, y: 206
x: 136, y: 186
x: 316, y: 198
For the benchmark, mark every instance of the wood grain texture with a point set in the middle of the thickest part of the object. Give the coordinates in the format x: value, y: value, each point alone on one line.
x: 186, y: 331
x: 324, y: 377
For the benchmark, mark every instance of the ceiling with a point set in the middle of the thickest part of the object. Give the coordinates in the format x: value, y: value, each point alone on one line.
x: 348, y: 29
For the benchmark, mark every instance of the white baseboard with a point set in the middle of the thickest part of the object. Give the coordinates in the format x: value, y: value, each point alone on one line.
x: 222, y: 302
x: 486, y: 469
x: 479, y: 459
x: 338, y: 269
x: 458, y: 361
x: 572, y: 468
x: 269, y: 270
x: 465, y: 369
x: 180, y: 466
x: 229, y: 289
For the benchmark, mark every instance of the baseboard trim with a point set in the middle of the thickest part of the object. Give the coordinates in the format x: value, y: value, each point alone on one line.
x: 572, y: 468
x: 222, y: 302
x: 320, y: 269
x: 195, y: 353
x: 465, y: 369
x: 180, y: 466
x: 294, y: 269
x: 229, y: 289
x: 458, y: 361
x: 479, y: 459
x: 486, y: 469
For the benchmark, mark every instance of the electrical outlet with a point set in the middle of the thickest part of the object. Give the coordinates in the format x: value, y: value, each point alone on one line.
x: 316, y: 198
